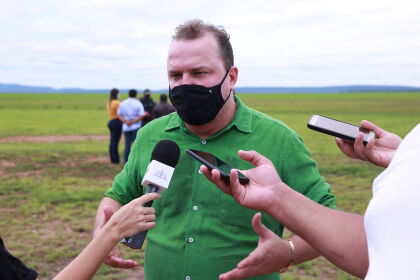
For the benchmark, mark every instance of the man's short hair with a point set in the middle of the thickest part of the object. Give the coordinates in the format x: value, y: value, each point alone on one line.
x: 132, y: 93
x: 146, y: 91
x: 163, y: 97
x: 196, y: 28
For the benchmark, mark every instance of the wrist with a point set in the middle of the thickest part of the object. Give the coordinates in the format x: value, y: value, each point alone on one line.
x: 276, y: 207
x: 112, y: 232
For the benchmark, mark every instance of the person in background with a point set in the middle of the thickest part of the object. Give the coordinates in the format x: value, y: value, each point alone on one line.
x: 382, y: 244
x: 114, y: 125
x: 128, y: 221
x: 131, y: 112
x: 163, y: 108
x: 149, y: 105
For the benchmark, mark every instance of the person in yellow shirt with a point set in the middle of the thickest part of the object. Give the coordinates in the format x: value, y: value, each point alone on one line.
x: 114, y: 125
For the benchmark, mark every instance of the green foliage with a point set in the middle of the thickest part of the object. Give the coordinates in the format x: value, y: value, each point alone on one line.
x: 49, y: 191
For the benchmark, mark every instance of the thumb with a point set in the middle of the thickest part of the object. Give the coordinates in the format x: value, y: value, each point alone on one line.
x: 147, y: 197
x: 107, y: 214
x: 379, y: 132
x: 259, y: 228
x: 256, y: 159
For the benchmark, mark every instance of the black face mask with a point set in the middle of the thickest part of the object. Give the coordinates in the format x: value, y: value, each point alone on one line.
x: 198, y: 105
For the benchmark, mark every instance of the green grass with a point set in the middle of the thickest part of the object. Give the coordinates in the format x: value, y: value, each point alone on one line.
x: 49, y: 191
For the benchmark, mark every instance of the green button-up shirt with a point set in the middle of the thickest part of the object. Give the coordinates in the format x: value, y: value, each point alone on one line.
x: 202, y: 232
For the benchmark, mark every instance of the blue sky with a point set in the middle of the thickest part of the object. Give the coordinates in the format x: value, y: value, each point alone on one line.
x: 123, y: 43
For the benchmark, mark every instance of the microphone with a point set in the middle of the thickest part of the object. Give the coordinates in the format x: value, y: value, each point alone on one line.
x: 158, y: 175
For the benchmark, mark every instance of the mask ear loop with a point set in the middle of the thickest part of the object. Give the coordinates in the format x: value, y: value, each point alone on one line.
x: 224, y: 78
x: 224, y: 101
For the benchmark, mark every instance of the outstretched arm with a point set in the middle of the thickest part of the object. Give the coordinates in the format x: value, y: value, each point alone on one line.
x: 337, y: 235
x: 127, y: 221
x: 113, y: 259
x: 379, y: 151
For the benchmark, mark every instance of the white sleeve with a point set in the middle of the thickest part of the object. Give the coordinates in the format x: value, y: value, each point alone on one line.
x: 141, y: 110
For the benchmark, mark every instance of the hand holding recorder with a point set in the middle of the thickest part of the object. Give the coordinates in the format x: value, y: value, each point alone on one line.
x: 213, y: 162
x: 158, y: 175
x: 260, y: 190
x: 359, y: 142
x: 379, y: 151
x: 128, y: 220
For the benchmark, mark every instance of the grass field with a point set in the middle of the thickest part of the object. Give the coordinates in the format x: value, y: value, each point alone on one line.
x: 49, y: 191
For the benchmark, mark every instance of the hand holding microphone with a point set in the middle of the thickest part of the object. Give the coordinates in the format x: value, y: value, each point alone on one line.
x: 158, y: 175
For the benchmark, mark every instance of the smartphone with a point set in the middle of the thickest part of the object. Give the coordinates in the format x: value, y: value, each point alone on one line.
x: 339, y: 129
x: 212, y: 162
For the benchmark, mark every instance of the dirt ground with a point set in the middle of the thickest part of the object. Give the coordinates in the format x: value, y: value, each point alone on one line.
x: 137, y: 273
x: 52, y: 138
x: 48, y: 139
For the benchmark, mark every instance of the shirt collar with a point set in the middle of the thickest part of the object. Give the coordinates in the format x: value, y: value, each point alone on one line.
x: 242, y: 119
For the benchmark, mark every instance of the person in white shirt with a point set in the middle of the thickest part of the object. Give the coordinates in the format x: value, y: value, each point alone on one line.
x: 131, y: 112
x: 382, y: 244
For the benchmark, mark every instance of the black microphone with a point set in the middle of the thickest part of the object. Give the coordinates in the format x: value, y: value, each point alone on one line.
x: 158, y: 175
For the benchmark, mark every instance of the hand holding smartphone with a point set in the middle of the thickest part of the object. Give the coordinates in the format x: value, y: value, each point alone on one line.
x: 339, y: 129
x: 213, y: 162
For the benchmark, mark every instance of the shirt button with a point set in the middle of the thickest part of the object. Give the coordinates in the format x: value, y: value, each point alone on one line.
x: 195, y: 207
x: 203, y: 142
x: 191, y: 240
x: 187, y: 277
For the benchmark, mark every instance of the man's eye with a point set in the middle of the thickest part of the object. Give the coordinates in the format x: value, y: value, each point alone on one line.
x: 198, y: 73
x: 175, y: 75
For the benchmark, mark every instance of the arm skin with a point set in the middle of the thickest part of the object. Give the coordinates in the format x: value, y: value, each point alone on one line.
x: 379, y: 152
x: 337, y: 235
x: 129, y: 220
x: 113, y: 258
x: 146, y: 114
x: 272, y: 254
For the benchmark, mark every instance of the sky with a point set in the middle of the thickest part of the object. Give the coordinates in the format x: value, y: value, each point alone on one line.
x: 124, y: 43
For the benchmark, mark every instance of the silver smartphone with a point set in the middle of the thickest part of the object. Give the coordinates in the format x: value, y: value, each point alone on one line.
x: 339, y: 129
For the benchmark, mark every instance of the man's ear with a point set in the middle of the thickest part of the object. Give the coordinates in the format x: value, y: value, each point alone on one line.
x: 233, y: 76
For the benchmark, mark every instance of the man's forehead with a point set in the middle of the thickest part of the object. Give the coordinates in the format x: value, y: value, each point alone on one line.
x: 206, y: 44
x: 193, y: 54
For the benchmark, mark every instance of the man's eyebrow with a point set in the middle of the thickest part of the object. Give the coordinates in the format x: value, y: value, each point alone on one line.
x: 199, y: 68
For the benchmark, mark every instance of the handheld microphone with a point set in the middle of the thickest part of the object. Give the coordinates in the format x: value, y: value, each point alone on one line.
x: 158, y: 175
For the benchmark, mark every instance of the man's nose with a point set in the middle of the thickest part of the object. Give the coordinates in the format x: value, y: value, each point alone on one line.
x: 186, y: 79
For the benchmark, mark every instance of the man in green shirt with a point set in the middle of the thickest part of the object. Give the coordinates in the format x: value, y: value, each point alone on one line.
x: 200, y: 231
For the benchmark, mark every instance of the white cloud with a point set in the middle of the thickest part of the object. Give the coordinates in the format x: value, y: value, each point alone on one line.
x: 100, y: 44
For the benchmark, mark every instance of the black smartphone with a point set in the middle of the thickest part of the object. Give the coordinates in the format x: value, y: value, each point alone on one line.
x: 212, y: 162
x: 339, y: 129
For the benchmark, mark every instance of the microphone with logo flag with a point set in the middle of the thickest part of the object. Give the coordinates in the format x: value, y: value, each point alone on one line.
x: 158, y: 175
